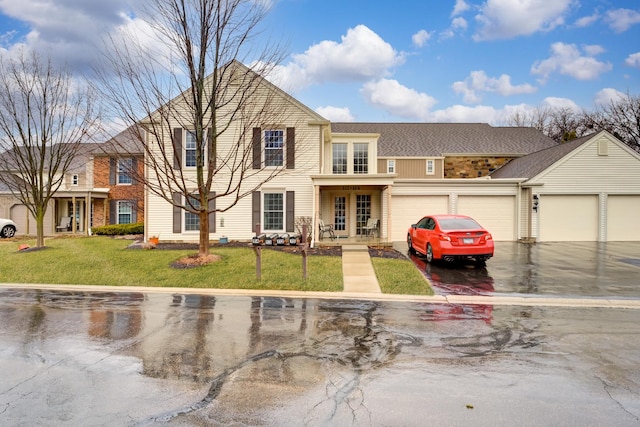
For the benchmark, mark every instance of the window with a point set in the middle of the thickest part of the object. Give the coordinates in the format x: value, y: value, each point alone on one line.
x: 190, y: 150
x: 125, y: 169
x: 192, y: 220
x: 273, y: 211
x: 273, y: 147
x: 74, y: 179
x: 430, y: 167
x: 125, y: 212
x: 391, y: 166
x: 339, y: 158
x: 360, y: 158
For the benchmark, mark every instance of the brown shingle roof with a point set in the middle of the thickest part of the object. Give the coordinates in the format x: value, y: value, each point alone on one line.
x: 532, y: 164
x: 436, y: 139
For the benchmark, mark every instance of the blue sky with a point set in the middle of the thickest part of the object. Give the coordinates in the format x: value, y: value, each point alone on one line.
x: 409, y: 60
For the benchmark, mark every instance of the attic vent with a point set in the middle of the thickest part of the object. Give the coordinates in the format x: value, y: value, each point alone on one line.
x: 603, y: 148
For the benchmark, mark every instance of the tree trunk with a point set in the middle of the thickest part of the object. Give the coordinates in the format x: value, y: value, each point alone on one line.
x: 203, y: 245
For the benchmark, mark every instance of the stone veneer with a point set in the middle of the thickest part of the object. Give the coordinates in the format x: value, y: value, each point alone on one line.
x: 472, y: 167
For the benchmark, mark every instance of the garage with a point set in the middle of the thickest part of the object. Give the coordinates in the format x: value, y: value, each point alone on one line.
x: 19, y: 216
x: 495, y: 213
x: 622, y: 217
x: 568, y: 218
x: 407, y: 210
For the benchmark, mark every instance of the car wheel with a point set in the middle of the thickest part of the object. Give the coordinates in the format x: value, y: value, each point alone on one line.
x: 429, y: 252
x: 8, y: 231
x: 410, y: 244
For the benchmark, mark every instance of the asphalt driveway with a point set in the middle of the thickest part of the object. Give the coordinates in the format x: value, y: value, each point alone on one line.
x: 572, y: 269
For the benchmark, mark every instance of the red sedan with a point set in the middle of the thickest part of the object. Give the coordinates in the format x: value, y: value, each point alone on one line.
x: 450, y: 237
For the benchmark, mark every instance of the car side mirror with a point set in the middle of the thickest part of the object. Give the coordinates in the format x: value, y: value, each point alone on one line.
x: 413, y: 226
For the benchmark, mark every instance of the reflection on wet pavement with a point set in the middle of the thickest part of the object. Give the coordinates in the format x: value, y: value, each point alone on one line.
x: 95, y: 358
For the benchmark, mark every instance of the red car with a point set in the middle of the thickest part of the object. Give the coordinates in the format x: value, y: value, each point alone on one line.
x: 450, y: 237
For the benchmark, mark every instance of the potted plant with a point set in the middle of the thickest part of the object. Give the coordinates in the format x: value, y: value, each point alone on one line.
x: 154, y: 240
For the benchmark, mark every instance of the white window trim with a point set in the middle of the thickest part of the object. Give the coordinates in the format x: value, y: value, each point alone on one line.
x: 284, y: 209
x: 184, y: 217
x: 264, y: 146
x: 391, y: 165
x: 118, y: 173
x: 430, y: 164
x: 120, y: 202
x: 75, y: 180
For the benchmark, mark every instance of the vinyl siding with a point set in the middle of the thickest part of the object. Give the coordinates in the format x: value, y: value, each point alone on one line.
x: 412, y: 168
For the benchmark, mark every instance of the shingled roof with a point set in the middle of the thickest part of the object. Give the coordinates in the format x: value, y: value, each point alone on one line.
x: 437, y: 139
x: 531, y: 165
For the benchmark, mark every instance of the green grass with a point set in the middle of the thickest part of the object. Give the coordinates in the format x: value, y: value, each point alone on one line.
x: 400, y: 276
x: 105, y: 261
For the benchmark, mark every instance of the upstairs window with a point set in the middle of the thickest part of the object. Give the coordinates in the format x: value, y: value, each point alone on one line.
x: 74, y: 180
x: 339, y: 158
x: 430, y: 167
x: 391, y: 166
x: 190, y: 150
x: 125, y: 168
x: 360, y: 158
x: 273, y: 147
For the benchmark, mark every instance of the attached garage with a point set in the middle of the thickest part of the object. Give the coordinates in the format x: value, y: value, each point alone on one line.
x: 19, y: 215
x: 568, y: 218
x: 407, y: 210
x: 495, y: 213
x: 622, y: 218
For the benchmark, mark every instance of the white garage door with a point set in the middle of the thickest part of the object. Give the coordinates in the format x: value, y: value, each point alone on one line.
x: 568, y: 218
x: 495, y: 213
x: 19, y: 216
x: 622, y: 217
x: 407, y: 210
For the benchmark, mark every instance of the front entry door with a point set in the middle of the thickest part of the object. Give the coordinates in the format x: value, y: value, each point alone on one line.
x: 340, y: 215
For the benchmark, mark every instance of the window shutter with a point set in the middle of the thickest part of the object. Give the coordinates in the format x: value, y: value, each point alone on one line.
x: 134, y: 171
x: 112, y: 170
x: 177, y: 148
x: 212, y: 212
x: 212, y: 149
x: 255, y: 212
x: 291, y: 212
x: 257, y: 148
x: 177, y: 212
x: 134, y: 210
x: 291, y: 148
x: 113, y: 210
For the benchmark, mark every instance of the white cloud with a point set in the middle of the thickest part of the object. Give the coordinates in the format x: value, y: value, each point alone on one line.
x: 459, y: 24
x: 421, y: 38
x: 620, y: 20
x: 478, y: 81
x: 566, y: 59
x: 503, y: 19
x: 464, y: 114
x: 593, y: 49
x: 460, y: 7
x: 397, y: 99
x: 608, y: 95
x: 360, y: 56
x: 561, y: 103
x: 586, y: 21
x: 633, y: 60
x: 336, y: 114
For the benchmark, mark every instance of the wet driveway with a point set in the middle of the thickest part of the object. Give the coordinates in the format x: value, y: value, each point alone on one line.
x: 575, y: 269
x: 133, y: 358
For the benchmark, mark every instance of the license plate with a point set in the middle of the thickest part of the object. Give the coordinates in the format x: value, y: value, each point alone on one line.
x: 468, y: 240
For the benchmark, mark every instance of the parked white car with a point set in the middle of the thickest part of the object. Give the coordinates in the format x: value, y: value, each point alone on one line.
x: 7, y: 228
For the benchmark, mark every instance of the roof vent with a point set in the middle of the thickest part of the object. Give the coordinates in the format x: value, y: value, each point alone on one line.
x: 603, y: 147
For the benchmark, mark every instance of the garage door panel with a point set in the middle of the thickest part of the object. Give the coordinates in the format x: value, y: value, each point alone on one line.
x: 407, y: 210
x: 495, y: 213
x: 622, y: 217
x: 568, y: 218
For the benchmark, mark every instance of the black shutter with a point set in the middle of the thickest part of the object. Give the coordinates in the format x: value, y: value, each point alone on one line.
x: 134, y: 171
x: 177, y: 148
x: 212, y: 212
x: 291, y: 148
x: 134, y: 211
x: 255, y: 211
x: 212, y: 149
x: 177, y: 213
x: 113, y: 210
x: 291, y: 212
x: 112, y: 171
x: 257, y: 148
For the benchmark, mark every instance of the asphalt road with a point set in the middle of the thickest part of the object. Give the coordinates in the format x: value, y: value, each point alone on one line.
x: 144, y: 358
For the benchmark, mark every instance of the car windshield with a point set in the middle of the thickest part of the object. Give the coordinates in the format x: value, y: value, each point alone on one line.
x: 458, y: 224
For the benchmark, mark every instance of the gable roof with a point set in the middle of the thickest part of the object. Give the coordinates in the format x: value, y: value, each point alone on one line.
x: 438, y: 139
x: 533, y: 164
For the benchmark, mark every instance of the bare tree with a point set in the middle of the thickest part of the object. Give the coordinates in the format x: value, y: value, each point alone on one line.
x: 195, y: 81
x: 620, y: 117
x: 560, y: 124
x: 45, y: 116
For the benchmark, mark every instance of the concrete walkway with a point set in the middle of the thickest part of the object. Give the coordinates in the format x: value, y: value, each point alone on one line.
x: 358, y: 271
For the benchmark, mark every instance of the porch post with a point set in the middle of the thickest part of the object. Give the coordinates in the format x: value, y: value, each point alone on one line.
x: 389, y: 224
x: 73, y: 214
x: 316, y: 214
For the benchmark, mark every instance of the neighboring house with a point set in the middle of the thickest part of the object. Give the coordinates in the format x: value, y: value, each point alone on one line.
x: 350, y: 175
x: 117, y: 169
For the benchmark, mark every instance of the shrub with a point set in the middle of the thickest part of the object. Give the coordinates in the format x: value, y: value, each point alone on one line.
x: 119, y: 229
